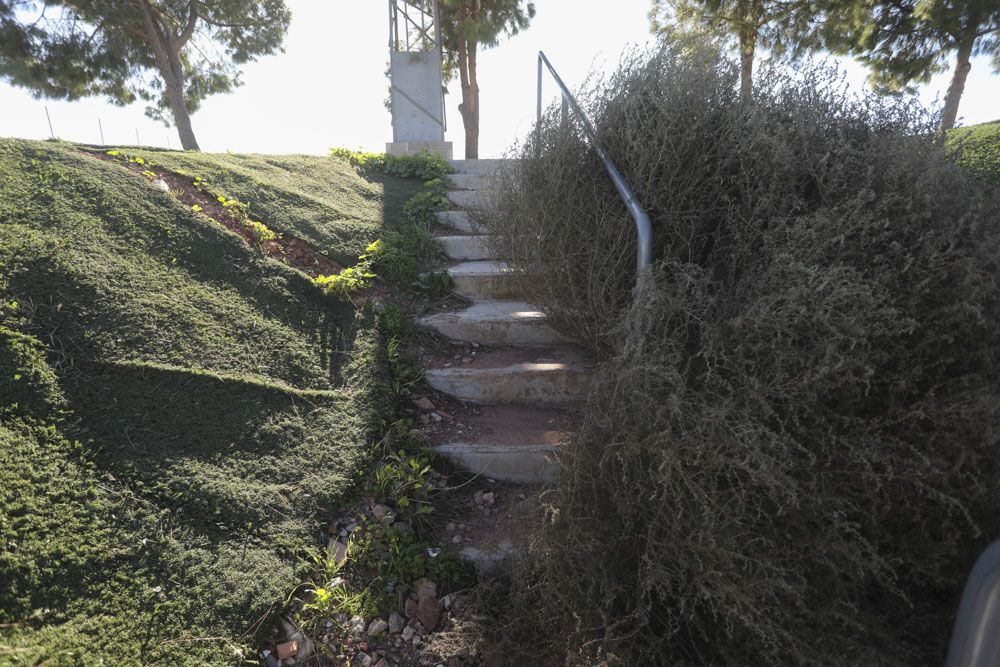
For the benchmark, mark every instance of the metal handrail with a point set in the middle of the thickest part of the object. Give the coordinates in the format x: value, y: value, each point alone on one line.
x: 643, y: 226
x: 975, y: 641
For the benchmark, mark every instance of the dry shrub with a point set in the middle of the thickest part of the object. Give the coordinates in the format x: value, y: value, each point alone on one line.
x: 791, y: 455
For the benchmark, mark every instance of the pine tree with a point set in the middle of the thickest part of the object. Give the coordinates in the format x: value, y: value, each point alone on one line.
x: 170, y: 53
x: 905, y: 42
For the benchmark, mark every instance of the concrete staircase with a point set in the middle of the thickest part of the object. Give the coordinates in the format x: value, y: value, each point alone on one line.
x: 525, y: 378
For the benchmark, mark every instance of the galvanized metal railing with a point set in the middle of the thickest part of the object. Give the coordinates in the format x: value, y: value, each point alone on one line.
x: 643, y: 226
x: 975, y: 641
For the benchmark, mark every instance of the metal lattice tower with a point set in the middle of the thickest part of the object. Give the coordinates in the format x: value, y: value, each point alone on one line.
x: 416, y: 87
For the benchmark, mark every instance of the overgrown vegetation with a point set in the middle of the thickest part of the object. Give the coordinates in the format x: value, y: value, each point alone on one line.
x: 425, y: 166
x: 180, y: 413
x: 978, y: 149
x: 790, y: 456
x: 403, y: 253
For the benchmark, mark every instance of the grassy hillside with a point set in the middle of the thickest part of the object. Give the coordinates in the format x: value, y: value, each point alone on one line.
x: 980, y: 148
x: 178, y: 412
x: 318, y: 199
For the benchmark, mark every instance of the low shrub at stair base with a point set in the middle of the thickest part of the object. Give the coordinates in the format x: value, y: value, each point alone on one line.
x: 791, y: 454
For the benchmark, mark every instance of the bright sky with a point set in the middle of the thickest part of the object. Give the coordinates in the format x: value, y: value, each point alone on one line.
x: 328, y: 88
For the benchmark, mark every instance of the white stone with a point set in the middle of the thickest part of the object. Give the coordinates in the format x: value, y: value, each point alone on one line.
x: 377, y: 627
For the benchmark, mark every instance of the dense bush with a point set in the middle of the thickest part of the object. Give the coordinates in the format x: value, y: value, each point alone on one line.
x: 978, y: 149
x: 791, y: 454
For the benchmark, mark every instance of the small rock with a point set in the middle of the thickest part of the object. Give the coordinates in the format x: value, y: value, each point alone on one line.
x: 436, y: 417
x: 411, y: 607
x: 423, y: 403
x: 396, y: 622
x: 382, y: 663
x: 357, y: 625
x: 425, y: 419
x: 457, y: 539
x: 162, y: 184
x: 364, y: 659
x: 381, y: 513
x: 377, y: 627
x: 339, y: 550
x: 489, y: 499
x: 478, y: 497
x: 451, y: 527
x: 287, y: 650
x: 416, y: 641
x: 408, y: 633
x: 425, y: 587
x: 428, y: 607
x: 446, y: 601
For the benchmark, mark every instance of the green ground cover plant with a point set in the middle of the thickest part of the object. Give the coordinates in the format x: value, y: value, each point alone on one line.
x: 320, y: 200
x: 179, y: 414
x: 789, y: 456
x: 404, y: 253
x: 978, y: 149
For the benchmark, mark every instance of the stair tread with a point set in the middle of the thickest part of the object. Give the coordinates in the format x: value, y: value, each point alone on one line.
x: 489, y: 310
x: 550, y: 358
x: 502, y: 426
x: 481, y: 267
x: 458, y: 220
x: 462, y: 237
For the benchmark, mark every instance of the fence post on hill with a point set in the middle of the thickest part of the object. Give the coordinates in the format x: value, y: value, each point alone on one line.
x: 52, y: 133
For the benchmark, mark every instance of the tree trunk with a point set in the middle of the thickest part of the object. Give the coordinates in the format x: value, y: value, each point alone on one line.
x: 469, y: 108
x: 165, y: 51
x: 748, y: 44
x: 957, y: 86
x: 182, y: 119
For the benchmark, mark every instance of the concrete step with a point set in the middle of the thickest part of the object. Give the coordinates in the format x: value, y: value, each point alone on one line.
x: 465, y: 247
x: 471, y: 181
x: 469, y: 200
x: 513, y: 444
x: 481, y: 280
x: 460, y: 220
x: 494, y: 323
x: 483, y: 167
x: 512, y: 376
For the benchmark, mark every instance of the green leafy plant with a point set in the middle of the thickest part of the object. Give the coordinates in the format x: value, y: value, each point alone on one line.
x: 326, y: 597
x: 238, y: 211
x: 425, y: 166
x: 404, y: 481
x: 353, y: 278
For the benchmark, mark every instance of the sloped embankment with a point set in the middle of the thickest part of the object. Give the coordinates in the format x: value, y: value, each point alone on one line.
x: 221, y: 403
